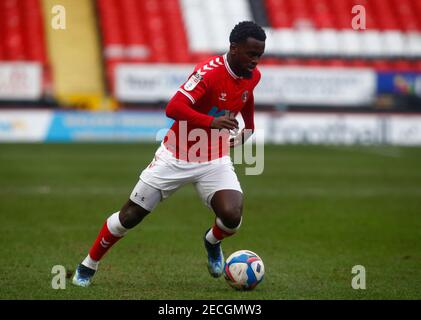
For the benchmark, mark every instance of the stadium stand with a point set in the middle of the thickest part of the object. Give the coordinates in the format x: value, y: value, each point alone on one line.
x: 75, y: 53
x: 300, y: 33
x: 132, y: 55
x: 314, y: 32
x: 317, y: 28
x: 17, y: 44
x: 142, y: 31
x: 22, y: 37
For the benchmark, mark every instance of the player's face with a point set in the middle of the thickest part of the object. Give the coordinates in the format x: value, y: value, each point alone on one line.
x: 246, y: 56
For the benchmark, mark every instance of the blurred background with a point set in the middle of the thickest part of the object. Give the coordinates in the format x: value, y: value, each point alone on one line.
x: 104, y: 69
x: 341, y: 113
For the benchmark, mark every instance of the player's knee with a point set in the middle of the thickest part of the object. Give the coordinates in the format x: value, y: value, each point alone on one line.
x: 231, y: 216
x: 227, y: 228
x: 132, y: 214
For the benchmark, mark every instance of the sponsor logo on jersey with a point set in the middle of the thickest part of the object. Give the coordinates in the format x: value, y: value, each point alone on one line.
x: 215, y: 112
x: 193, y: 81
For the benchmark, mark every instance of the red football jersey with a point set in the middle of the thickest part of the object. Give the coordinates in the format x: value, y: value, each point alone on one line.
x: 213, y: 89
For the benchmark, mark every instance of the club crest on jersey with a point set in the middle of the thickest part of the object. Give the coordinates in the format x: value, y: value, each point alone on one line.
x: 245, y: 96
x: 193, y: 81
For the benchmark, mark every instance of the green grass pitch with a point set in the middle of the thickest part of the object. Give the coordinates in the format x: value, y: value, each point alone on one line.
x: 314, y: 213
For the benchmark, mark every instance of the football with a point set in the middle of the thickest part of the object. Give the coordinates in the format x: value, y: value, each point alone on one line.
x: 244, y: 270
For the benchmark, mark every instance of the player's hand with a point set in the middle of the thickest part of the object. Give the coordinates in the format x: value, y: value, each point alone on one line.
x: 226, y: 121
x: 240, y: 138
x: 236, y: 140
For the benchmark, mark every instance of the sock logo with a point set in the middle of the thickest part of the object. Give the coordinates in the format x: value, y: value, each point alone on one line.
x: 104, y: 243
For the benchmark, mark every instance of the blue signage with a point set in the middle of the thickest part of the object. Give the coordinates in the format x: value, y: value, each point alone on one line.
x: 107, y: 126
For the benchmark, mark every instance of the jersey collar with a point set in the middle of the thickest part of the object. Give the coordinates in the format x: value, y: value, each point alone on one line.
x: 227, y: 66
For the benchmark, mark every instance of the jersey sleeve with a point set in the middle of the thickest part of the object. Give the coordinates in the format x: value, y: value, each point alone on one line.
x: 180, y: 108
x: 248, y: 113
x: 196, y: 86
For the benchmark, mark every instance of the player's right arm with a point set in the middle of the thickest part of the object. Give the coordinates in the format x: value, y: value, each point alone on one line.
x: 224, y: 122
x: 181, y: 106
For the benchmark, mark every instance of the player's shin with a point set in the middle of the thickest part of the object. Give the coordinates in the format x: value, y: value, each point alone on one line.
x: 219, y: 231
x: 111, y: 232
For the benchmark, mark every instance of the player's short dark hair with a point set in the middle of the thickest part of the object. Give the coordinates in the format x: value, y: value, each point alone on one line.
x: 247, y: 29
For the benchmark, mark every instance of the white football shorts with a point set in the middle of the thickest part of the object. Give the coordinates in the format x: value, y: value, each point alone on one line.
x: 167, y: 174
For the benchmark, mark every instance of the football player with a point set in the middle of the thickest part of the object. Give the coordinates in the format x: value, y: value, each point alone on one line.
x: 196, y: 150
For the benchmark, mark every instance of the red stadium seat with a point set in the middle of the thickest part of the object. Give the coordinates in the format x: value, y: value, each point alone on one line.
x: 2, y: 35
x: 22, y: 35
x: 178, y: 45
x: 278, y: 13
x: 110, y: 22
x: 13, y: 31
x: 34, y: 40
x: 144, y: 31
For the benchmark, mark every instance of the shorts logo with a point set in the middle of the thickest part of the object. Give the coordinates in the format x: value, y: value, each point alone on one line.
x: 245, y: 96
x: 193, y: 81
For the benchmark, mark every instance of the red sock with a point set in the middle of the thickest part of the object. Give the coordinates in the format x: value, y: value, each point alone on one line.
x: 103, y: 242
x: 219, y: 233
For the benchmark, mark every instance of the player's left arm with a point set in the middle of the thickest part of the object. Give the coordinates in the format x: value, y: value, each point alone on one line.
x: 248, y: 116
